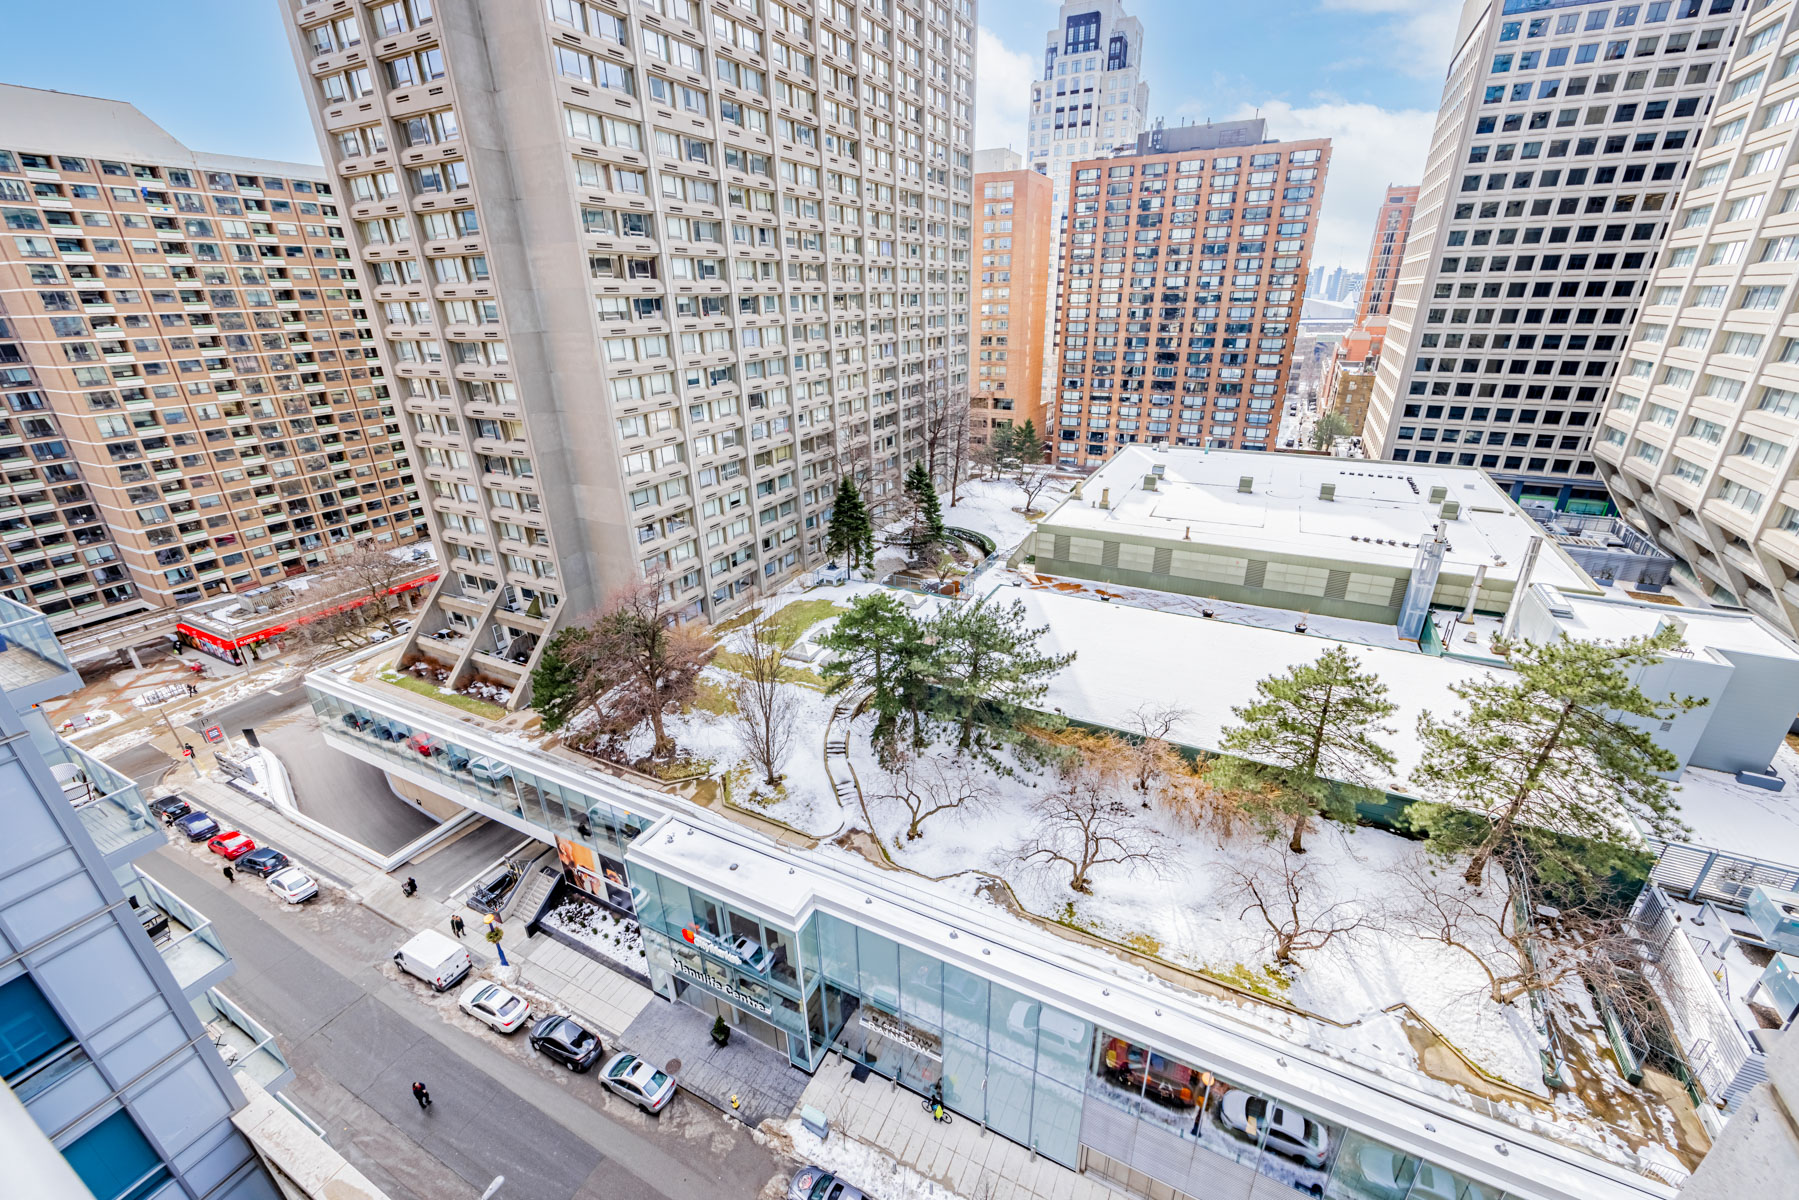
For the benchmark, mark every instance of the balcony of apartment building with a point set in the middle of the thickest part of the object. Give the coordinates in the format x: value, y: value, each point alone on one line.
x: 181, y: 933
x: 32, y: 665
x: 247, y: 1047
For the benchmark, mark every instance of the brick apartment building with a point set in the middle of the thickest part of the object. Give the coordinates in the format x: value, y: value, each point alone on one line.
x: 1016, y: 241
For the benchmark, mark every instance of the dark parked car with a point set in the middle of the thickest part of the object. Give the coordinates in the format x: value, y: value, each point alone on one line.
x: 561, y: 1039
x: 196, y: 826
x: 169, y: 808
x: 263, y: 862
x: 816, y: 1183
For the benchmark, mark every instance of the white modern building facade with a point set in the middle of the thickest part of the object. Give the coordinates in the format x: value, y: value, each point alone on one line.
x: 1698, y: 437
x: 652, y: 277
x: 1559, y: 161
x: 111, y: 1027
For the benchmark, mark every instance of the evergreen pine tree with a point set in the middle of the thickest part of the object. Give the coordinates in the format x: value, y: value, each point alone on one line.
x: 850, y: 534
x: 1308, y: 731
x: 556, y: 681
x: 1027, y: 447
x: 1553, y: 748
x: 988, y: 664
x: 926, y: 521
x: 881, y: 649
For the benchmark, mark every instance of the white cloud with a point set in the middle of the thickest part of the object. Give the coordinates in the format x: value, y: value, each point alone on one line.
x: 1370, y: 148
x: 1421, y: 30
x: 1002, y: 93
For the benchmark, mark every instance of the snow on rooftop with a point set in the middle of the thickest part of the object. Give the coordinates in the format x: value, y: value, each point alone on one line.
x: 1127, y: 656
x: 1197, y: 498
x: 1610, y: 618
x: 1741, y: 818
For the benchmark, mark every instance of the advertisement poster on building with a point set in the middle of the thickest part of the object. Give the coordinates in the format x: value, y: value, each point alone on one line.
x: 579, y: 864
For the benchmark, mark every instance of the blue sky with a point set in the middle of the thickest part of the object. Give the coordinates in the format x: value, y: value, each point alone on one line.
x: 1367, y: 73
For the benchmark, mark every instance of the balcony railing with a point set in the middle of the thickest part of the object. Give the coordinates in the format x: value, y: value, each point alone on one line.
x: 108, y: 804
x: 187, y: 943
x: 242, y: 1042
x: 32, y: 666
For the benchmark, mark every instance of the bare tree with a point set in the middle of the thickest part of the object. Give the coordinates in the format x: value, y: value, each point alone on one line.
x: 1084, y: 822
x: 767, y: 709
x: 334, y: 629
x: 1591, y: 941
x: 634, y: 660
x: 1278, y: 886
x: 928, y: 784
x: 373, y: 573
x: 1032, y: 481
x: 1156, y: 760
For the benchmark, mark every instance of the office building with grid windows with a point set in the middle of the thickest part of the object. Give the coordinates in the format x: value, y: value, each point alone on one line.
x: 1559, y: 157
x: 1184, y: 265
x: 652, y: 277
x: 1697, y: 439
x: 191, y: 404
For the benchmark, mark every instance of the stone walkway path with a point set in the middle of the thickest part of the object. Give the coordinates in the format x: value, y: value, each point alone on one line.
x: 759, y: 1076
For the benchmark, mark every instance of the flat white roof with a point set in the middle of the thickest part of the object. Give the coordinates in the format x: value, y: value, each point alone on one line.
x: 1609, y: 618
x: 1376, y: 503
x: 1126, y: 656
x: 41, y: 121
x: 745, y: 869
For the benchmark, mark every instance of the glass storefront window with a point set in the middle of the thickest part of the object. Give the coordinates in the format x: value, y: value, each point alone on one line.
x: 783, y: 962
x: 964, y: 1076
x: 1063, y: 1045
x: 1056, y: 1121
x: 965, y: 1005
x: 1012, y: 1025
x: 1368, y: 1170
x: 1009, y: 1088
x: 921, y: 988
x: 1297, y: 1147
x: 878, y: 974
x: 837, y: 949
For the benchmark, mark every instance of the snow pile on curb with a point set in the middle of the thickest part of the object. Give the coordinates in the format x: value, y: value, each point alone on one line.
x: 878, y: 1174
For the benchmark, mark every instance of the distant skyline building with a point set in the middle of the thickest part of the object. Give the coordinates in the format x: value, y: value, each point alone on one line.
x: 192, y: 406
x: 1559, y: 155
x: 1348, y: 381
x: 1185, y: 264
x: 1017, y: 250
x: 1698, y: 440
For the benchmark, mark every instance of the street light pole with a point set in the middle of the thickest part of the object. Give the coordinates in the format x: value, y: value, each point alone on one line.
x: 493, y: 1188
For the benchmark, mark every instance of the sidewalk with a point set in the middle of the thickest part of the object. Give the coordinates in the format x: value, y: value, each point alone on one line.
x: 961, y: 1158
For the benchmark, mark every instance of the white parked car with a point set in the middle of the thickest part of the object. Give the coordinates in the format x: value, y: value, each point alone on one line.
x: 493, y: 1005
x: 1290, y: 1133
x: 293, y: 885
x: 637, y: 1081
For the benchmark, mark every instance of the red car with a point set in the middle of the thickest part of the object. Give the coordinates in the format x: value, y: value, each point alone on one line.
x: 231, y: 844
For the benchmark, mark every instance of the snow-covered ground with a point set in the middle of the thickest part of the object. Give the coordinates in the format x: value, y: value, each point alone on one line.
x: 1740, y: 818
x: 990, y: 506
x: 599, y: 929
x: 1182, y: 912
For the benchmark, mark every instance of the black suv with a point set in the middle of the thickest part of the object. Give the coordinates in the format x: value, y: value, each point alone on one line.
x: 566, y: 1042
x: 262, y: 862
x: 169, y: 808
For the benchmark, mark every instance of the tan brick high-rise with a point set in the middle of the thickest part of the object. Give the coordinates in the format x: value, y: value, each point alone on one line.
x: 1017, y: 241
x: 1184, y: 267
x: 191, y: 407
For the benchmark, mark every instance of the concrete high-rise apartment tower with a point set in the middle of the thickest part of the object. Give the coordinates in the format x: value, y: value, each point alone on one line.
x: 190, y: 406
x: 655, y: 275
x: 1016, y: 255
x: 1184, y: 265
x: 110, y: 1025
x: 1698, y: 439
x: 1558, y: 160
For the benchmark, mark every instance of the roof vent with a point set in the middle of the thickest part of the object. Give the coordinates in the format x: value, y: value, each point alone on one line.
x: 1246, y: 483
x: 1555, y: 602
x: 1327, y: 491
x: 1158, y: 470
x: 1438, y: 493
x: 1149, y: 482
x: 1452, y: 510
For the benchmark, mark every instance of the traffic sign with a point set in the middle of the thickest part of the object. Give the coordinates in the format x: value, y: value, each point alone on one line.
x: 213, y: 733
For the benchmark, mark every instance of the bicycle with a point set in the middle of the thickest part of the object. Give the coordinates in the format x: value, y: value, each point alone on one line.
x: 933, y: 1104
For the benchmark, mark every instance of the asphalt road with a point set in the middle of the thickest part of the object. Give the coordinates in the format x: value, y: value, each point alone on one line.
x: 345, y: 793
x: 444, y: 869
x: 358, y: 1034
x: 145, y: 764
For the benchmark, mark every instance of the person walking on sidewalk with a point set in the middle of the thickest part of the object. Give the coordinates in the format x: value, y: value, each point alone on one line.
x: 422, y: 1095
x: 230, y: 875
x: 456, y: 925
x: 409, y: 887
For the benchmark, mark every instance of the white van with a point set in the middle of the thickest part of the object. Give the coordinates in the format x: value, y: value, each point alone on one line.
x: 436, y: 958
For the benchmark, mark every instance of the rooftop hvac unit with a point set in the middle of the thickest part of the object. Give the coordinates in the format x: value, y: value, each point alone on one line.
x: 1159, y: 470
x: 1452, y: 510
x: 1246, y: 483
x: 1555, y: 602
x: 1327, y: 491
x: 1149, y: 482
x: 1775, y: 914
x: 1781, y: 984
x: 1437, y: 494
